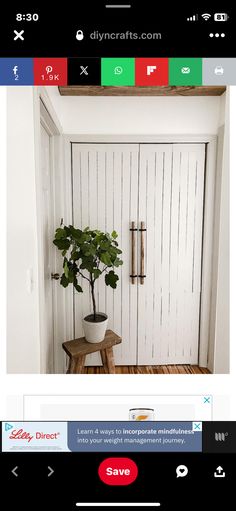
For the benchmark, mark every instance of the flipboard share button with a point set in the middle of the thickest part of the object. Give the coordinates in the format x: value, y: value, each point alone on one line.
x: 118, y: 471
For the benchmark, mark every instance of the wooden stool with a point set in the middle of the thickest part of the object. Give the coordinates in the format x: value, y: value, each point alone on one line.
x: 79, y: 348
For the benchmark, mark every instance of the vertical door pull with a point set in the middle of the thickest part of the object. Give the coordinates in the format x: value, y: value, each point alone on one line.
x: 133, y: 275
x: 142, y: 261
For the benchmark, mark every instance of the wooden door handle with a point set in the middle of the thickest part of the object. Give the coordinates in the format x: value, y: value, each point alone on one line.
x: 133, y: 274
x: 142, y: 260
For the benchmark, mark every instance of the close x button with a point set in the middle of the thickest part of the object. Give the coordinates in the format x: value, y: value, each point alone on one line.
x: 118, y: 471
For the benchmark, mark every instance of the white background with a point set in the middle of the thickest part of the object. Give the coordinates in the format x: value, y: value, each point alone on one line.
x: 117, y: 408
x: 14, y: 386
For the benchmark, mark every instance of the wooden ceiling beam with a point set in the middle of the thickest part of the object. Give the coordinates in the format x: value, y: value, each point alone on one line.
x: 91, y: 90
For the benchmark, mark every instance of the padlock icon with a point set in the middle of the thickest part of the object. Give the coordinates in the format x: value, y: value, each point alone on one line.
x: 79, y: 35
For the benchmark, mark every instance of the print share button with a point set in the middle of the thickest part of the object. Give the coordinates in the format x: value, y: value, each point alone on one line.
x: 118, y: 471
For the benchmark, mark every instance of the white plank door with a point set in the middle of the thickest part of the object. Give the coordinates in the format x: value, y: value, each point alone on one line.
x: 171, y: 193
x: 105, y: 197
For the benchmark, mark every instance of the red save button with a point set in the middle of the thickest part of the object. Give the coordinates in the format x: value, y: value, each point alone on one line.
x: 118, y: 471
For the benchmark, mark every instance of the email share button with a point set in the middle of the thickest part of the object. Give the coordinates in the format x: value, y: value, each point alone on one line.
x: 185, y: 71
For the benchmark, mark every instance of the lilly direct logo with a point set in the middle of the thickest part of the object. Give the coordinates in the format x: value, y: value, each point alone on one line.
x: 8, y: 426
x: 20, y: 434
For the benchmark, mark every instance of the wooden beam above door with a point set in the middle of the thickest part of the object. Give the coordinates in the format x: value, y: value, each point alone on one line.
x: 91, y: 90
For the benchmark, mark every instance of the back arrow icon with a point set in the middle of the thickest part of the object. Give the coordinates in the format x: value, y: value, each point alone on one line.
x: 51, y: 471
x: 14, y: 471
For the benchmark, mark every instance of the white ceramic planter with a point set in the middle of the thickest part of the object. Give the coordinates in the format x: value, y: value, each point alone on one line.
x: 95, y: 331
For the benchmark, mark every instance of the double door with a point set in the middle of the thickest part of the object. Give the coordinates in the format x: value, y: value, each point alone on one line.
x: 157, y: 190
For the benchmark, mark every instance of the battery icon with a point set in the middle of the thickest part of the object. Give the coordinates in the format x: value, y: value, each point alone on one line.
x: 221, y: 16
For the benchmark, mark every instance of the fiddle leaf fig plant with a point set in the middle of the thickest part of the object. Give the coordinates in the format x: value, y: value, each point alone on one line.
x: 88, y: 254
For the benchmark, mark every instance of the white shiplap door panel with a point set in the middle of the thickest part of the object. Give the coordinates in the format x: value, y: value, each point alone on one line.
x: 171, y: 190
x: 105, y: 196
x: 162, y: 185
x: 154, y: 162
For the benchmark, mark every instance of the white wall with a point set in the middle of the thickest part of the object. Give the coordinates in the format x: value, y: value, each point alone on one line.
x: 224, y: 106
x: 136, y: 115
x: 23, y: 304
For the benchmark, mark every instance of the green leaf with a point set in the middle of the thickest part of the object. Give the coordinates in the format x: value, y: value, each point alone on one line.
x: 111, y: 279
x: 75, y: 255
x: 105, y: 259
x: 71, y: 276
x: 60, y: 233
x: 113, y: 253
x: 77, y: 286
x: 117, y: 262
x: 75, y: 233
x: 105, y: 245
x: 62, y: 244
x: 114, y: 235
x: 67, y: 230
x: 87, y: 263
x: 64, y: 282
x: 90, y: 250
x: 96, y: 273
x: 65, y: 268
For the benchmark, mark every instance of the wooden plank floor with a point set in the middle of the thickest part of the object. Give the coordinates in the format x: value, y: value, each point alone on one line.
x: 169, y: 369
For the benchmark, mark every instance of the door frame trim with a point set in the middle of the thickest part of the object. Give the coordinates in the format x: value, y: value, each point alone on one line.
x: 209, y: 226
x: 209, y: 230
x: 44, y: 114
x: 141, y: 139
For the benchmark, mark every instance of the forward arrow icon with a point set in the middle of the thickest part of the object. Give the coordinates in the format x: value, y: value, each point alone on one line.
x: 50, y: 471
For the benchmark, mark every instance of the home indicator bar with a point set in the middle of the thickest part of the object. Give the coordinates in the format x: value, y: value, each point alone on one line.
x: 118, y: 504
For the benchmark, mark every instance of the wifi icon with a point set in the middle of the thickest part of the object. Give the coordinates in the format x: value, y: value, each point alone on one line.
x: 206, y: 16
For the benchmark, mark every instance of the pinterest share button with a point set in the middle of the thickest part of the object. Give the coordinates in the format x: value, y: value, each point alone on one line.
x: 50, y: 71
x: 118, y: 471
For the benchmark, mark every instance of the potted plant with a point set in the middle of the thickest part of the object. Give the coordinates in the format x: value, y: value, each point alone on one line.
x: 89, y: 254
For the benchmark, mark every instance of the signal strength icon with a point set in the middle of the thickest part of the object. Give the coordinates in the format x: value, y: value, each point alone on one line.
x: 206, y: 16
x: 221, y: 437
x: 193, y: 18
